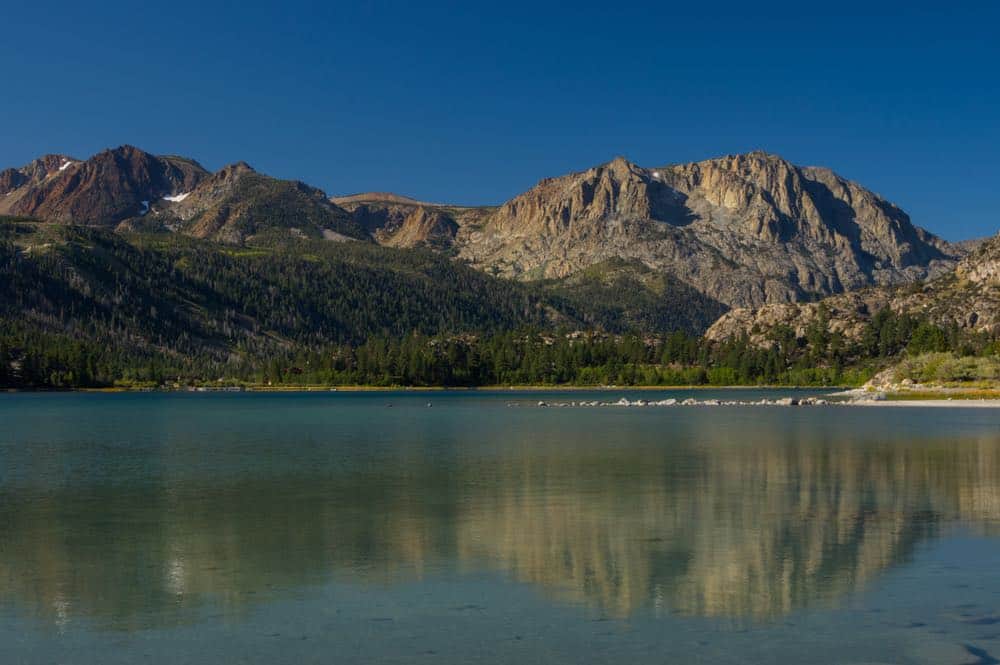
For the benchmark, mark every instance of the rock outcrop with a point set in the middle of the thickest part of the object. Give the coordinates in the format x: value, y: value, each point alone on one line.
x: 398, y: 221
x: 982, y: 266
x: 967, y: 297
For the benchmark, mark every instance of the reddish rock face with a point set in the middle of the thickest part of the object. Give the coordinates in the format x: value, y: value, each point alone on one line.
x: 130, y: 189
x: 103, y: 190
x: 32, y: 173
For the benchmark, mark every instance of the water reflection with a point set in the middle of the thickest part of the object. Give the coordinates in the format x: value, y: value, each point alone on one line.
x: 690, y: 522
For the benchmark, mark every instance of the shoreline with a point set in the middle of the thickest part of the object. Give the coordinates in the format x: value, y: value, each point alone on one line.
x: 416, y: 389
x: 829, y: 395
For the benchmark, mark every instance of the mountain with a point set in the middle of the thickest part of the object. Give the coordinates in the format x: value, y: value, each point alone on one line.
x: 237, y: 204
x: 743, y: 229
x: 103, y: 190
x: 127, y: 186
x: 966, y: 298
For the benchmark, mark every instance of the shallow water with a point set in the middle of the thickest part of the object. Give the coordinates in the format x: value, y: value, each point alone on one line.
x: 352, y: 527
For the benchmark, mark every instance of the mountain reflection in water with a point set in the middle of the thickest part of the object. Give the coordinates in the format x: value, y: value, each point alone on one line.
x: 703, y: 513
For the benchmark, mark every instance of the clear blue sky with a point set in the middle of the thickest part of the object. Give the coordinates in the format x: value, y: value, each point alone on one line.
x: 465, y: 103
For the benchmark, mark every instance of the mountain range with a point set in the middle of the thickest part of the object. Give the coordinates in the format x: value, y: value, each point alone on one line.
x: 157, y: 256
x: 743, y: 230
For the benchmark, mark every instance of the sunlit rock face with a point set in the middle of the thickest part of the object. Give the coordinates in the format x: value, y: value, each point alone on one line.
x: 744, y: 229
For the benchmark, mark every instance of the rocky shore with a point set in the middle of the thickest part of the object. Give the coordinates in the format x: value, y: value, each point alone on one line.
x: 856, y: 397
x: 624, y: 402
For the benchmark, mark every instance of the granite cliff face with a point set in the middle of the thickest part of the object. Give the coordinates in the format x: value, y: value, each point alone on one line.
x: 968, y: 297
x: 104, y: 190
x: 746, y: 229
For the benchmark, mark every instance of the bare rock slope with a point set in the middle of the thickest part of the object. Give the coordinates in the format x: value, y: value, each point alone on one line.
x: 968, y: 297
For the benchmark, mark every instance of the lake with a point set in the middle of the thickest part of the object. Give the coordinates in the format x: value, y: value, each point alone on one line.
x: 458, y: 527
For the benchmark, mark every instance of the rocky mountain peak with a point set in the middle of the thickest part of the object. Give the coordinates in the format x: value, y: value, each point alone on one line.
x: 579, y: 202
x: 780, y: 232
x: 111, y: 186
x: 34, y: 172
x: 47, y: 165
x: 219, y: 183
x: 237, y: 204
x: 623, y: 169
x: 236, y: 168
x: 125, y: 152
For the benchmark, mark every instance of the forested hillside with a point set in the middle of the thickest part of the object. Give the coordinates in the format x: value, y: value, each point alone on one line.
x: 81, y: 306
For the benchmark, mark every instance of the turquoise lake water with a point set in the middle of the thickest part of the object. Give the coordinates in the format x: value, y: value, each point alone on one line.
x: 479, y: 528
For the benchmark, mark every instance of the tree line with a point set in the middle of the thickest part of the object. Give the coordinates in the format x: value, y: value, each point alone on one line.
x: 523, y: 357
